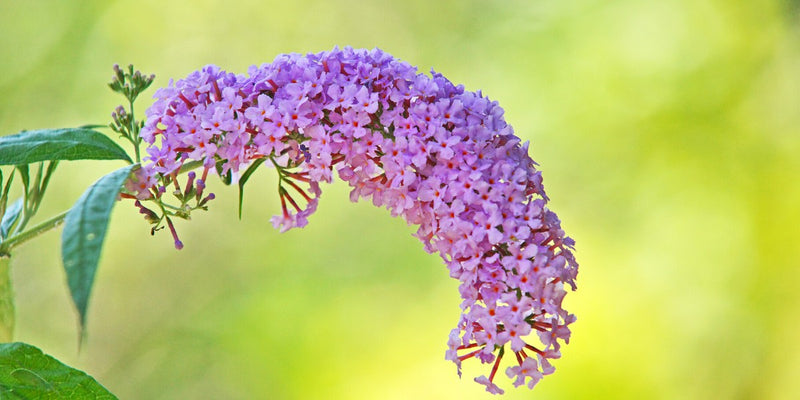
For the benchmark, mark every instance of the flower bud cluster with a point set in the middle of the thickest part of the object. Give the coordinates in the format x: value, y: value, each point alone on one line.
x: 130, y: 83
x: 441, y: 157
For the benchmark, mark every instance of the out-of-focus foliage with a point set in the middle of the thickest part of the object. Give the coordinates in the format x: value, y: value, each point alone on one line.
x: 668, y: 134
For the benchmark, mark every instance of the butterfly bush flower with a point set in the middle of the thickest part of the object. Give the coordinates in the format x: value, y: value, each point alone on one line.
x: 441, y: 157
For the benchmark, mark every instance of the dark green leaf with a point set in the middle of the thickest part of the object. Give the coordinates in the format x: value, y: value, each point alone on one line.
x: 227, y: 178
x: 23, y: 173
x: 51, y: 168
x: 92, y: 126
x: 245, y: 176
x: 11, y: 216
x: 84, y: 231
x: 7, y: 187
x: 58, y: 144
x: 27, y: 373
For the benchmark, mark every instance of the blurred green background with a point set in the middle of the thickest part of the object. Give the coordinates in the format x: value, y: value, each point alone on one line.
x: 668, y: 134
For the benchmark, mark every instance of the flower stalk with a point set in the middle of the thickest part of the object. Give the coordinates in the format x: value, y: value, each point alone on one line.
x: 20, y: 238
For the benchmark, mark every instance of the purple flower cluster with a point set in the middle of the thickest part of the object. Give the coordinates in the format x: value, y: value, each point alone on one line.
x: 441, y: 157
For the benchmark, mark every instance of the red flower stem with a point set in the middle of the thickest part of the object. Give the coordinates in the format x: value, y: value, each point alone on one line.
x: 174, y: 177
x: 380, y: 178
x: 178, y: 243
x: 529, y: 347
x: 189, y: 184
x: 291, y: 200
x: 283, y: 203
x: 467, y: 346
x: 541, y: 326
x: 299, y: 178
x: 217, y: 92
x: 188, y: 102
x: 469, y: 355
x: 336, y: 160
x: 496, y: 364
x: 294, y: 185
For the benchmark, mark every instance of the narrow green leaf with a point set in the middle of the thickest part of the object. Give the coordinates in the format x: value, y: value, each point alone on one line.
x: 25, y: 176
x: 227, y: 177
x: 243, y: 179
x: 51, y: 168
x: 27, y: 373
x: 84, y: 231
x: 9, y: 218
x: 58, y: 144
x: 7, y: 187
x: 92, y: 126
x: 6, y: 301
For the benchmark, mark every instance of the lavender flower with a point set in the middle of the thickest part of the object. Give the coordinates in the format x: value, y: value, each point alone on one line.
x: 441, y: 157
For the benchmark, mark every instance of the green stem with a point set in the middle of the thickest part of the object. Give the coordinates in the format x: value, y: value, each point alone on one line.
x: 6, y: 301
x: 16, y: 240
x: 131, y: 131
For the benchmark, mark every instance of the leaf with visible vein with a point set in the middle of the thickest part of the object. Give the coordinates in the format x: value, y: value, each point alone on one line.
x: 29, y: 147
x: 27, y: 373
x: 84, y: 231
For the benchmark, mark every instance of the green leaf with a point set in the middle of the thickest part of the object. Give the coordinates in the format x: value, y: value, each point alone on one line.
x: 6, y: 301
x: 227, y: 177
x: 27, y: 373
x: 6, y: 188
x: 9, y: 218
x: 29, y: 147
x: 92, y: 126
x: 84, y: 231
x: 25, y: 176
x: 245, y: 176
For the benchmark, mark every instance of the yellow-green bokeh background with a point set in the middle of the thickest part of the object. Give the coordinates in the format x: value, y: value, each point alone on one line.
x: 667, y: 132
